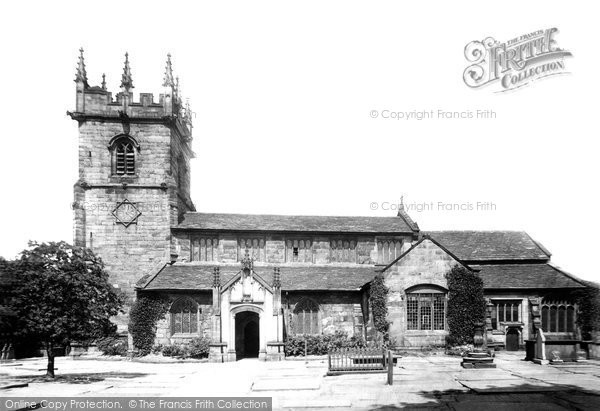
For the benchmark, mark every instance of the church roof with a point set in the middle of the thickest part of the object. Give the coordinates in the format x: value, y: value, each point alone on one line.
x: 480, y: 246
x: 544, y: 276
x: 200, y: 277
x: 295, y: 223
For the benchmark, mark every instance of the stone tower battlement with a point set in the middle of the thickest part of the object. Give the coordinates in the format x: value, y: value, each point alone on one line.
x: 96, y: 102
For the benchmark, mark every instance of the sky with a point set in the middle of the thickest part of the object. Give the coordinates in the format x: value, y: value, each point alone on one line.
x: 284, y: 95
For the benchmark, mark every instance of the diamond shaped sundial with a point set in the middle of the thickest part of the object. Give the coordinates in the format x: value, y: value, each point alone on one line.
x: 126, y: 213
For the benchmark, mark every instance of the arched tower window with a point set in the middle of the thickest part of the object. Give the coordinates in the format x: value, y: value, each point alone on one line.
x: 184, y: 316
x: 305, y: 319
x: 124, y: 150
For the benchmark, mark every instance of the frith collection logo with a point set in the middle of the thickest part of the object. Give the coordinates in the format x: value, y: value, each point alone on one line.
x: 514, y: 63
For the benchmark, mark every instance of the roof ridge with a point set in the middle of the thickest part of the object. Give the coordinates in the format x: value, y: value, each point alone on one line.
x: 475, y: 231
x: 292, y: 215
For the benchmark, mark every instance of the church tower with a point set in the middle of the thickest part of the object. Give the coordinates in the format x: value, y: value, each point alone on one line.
x: 134, y: 174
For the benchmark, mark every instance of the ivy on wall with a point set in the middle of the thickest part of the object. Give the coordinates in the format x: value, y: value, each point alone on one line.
x: 378, y: 302
x: 143, y: 316
x: 466, y: 305
x: 588, y: 317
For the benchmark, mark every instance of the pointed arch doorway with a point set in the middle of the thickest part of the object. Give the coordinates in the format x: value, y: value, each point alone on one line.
x: 247, y: 334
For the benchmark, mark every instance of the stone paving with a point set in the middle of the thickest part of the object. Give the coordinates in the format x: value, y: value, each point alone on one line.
x: 432, y: 382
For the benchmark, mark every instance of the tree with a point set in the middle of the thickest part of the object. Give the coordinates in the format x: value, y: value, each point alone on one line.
x: 466, y: 304
x: 62, y: 295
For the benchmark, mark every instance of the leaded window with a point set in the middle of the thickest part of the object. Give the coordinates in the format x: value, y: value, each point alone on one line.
x: 305, y: 318
x: 184, y: 317
x: 425, y: 311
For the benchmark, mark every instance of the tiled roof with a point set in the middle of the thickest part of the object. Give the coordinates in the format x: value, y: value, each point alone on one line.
x: 525, y: 276
x: 476, y: 246
x: 289, y: 223
x: 200, y: 277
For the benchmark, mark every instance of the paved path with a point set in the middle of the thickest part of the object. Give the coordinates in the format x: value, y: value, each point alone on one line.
x: 436, y: 382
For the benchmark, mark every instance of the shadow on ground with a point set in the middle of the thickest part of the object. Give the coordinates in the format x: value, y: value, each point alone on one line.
x: 526, y: 396
x: 78, y: 378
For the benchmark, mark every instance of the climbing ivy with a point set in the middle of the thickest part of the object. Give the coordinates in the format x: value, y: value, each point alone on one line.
x: 588, y: 317
x: 378, y: 302
x: 466, y: 305
x: 143, y: 316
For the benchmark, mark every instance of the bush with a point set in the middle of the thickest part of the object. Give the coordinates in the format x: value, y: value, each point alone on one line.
x: 199, y: 347
x: 466, y: 305
x: 144, y: 314
x: 178, y: 351
x: 321, y: 344
x: 112, y: 346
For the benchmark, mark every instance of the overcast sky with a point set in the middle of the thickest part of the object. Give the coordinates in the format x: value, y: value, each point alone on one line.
x: 283, y: 94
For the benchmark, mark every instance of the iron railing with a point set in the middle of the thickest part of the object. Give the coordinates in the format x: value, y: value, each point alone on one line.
x: 356, y: 360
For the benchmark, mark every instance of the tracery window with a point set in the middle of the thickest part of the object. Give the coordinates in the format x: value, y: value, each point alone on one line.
x: 184, y: 316
x: 558, y: 316
x: 305, y: 317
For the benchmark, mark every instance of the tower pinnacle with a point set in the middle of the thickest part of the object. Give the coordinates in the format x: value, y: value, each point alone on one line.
x: 81, y: 74
x: 168, y: 80
x: 126, y: 80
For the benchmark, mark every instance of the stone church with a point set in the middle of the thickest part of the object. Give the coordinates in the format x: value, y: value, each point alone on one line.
x: 249, y: 281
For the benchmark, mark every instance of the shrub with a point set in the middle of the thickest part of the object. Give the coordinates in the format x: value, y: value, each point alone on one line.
x: 466, y: 305
x: 179, y: 351
x: 157, y: 349
x: 199, y: 347
x: 321, y: 344
x: 143, y: 316
x: 112, y: 346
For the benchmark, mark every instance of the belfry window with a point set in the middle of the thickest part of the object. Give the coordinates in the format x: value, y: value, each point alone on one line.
x: 125, y: 161
x: 124, y: 150
x: 184, y: 316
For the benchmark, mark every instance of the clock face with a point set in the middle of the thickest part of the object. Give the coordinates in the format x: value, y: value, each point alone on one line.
x: 126, y: 213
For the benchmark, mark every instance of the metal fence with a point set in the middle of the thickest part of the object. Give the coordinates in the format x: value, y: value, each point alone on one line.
x: 356, y: 360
